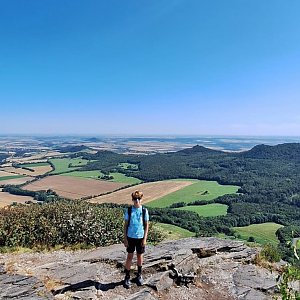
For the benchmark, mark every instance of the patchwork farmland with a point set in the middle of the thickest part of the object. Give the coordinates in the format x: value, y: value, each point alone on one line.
x: 35, y: 170
x: 12, y: 178
x: 7, y: 199
x: 73, y: 187
x: 151, y: 190
x: 63, y: 165
x: 196, y: 190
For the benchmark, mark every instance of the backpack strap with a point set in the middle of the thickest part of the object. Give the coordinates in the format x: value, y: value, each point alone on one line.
x: 129, y: 215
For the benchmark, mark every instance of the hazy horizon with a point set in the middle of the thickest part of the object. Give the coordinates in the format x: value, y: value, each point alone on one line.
x: 148, y: 135
x: 153, y: 144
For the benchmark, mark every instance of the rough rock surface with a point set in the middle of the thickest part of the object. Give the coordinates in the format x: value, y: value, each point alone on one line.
x: 221, y: 269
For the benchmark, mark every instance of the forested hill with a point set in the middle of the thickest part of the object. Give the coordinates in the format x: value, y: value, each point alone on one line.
x: 265, y: 167
x: 289, y: 151
x: 66, y: 149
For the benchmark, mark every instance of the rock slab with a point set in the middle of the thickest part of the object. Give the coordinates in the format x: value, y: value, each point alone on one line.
x: 222, y: 270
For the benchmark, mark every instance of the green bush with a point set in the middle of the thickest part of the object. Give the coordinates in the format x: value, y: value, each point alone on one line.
x: 178, y: 204
x: 62, y: 223
x: 251, y: 239
x: 270, y: 253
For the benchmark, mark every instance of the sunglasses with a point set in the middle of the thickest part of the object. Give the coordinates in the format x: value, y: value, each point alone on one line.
x: 136, y: 199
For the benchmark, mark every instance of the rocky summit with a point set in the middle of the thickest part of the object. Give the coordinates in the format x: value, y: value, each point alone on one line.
x: 193, y: 268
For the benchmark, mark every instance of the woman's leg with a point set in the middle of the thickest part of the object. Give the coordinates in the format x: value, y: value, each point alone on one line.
x: 139, y: 259
x: 140, y: 280
x: 128, y: 261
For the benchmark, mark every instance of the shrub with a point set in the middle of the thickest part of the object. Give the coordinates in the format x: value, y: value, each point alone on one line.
x: 62, y: 223
x: 251, y: 239
x: 270, y: 253
x: 178, y: 204
x: 155, y: 235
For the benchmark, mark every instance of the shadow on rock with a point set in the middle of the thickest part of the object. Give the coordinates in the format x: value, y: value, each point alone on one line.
x: 86, y: 284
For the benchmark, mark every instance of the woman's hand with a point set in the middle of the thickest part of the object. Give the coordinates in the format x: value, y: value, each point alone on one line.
x: 144, y: 242
x: 125, y: 242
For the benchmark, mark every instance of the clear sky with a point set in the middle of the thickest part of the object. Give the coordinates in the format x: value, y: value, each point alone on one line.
x: 183, y: 67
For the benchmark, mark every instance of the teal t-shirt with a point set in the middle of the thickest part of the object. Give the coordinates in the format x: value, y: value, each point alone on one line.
x: 136, y: 226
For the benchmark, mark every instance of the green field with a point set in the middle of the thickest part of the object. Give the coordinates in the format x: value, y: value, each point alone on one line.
x: 126, y: 166
x: 209, y: 210
x: 119, y: 177
x: 85, y: 174
x: 62, y: 164
x: 11, y: 177
x: 263, y: 233
x: 173, y: 232
x: 199, y: 190
x: 32, y: 165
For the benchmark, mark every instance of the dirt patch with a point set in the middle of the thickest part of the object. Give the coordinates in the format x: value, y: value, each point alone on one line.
x: 7, y: 199
x: 151, y: 191
x: 73, y: 187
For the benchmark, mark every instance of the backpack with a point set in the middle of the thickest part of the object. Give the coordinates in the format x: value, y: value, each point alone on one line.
x: 129, y: 215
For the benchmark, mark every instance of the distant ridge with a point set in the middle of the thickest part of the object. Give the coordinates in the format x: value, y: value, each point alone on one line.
x: 282, y: 151
x: 93, y: 140
x: 73, y: 148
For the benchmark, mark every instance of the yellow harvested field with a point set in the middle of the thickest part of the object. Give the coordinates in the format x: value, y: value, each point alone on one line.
x: 5, y: 173
x: 36, y: 157
x: 73, y: 187
x: 16, y: 180
x: 7, y: 199
x: 18, y: 171
x: 41, y: 170
x: 151, y: 191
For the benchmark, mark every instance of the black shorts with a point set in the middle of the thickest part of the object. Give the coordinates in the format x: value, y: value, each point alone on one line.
x: 135, y: 244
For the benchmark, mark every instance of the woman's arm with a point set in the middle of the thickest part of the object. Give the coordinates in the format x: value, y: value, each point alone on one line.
x: 145, y: 233
x: 125, y: 233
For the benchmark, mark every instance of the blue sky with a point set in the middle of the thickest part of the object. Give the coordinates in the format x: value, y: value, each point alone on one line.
x: 150, y: 67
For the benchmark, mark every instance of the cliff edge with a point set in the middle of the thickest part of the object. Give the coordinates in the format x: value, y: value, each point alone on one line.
x: 193, y: 268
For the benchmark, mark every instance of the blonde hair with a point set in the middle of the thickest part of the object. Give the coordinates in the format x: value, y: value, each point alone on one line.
x: 137, y: 195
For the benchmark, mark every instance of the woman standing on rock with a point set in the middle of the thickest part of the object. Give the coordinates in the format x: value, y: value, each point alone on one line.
x: 135, y: 235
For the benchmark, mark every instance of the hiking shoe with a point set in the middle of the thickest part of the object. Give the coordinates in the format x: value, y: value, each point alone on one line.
x: 127, y: 282
x: 139, y: 280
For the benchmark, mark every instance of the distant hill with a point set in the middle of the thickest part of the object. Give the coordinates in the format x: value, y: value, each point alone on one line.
x: 93, y: 140
x: 199, y: 149
x: 281, y: 151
